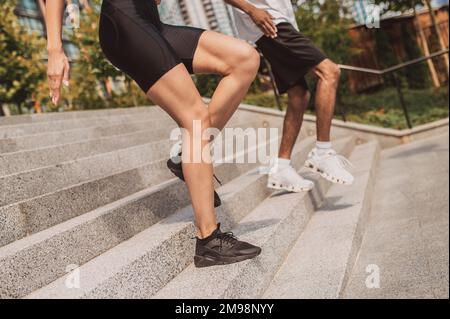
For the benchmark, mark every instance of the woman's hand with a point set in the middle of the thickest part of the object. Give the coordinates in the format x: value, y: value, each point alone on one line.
x: 158, y: 2
x: 58, y: 69
x: 264, y: 21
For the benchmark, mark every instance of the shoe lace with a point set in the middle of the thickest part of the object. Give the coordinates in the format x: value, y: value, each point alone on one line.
x: 343, y: 161
x: 227, y: 237
x: 217, y: 179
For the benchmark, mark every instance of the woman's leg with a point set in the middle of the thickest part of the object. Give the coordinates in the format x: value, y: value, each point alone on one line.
x: 238, y: 63
x: 176, y: 93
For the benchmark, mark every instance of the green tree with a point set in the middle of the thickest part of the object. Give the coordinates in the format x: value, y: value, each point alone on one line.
x: 22, y: 69
x: 326, y: 23
x: 417, y: 76
x: 407, y: 5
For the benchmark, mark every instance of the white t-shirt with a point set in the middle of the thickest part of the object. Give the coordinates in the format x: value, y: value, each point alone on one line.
x: 281, y: 11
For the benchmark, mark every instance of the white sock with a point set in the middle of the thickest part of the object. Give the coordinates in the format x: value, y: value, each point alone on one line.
x: 323, y: 147
x: 282, y: 162
x: 279, y: 163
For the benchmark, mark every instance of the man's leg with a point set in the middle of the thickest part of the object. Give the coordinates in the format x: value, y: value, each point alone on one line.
x: 323, y: 159
x: 298, y: 100
x: 328, y: 74
x: 283, y: 175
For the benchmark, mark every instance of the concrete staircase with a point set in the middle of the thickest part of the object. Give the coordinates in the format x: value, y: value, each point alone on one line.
x: 90, y: 190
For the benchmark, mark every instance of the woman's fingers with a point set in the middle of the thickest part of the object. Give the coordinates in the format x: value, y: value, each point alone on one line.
x: 58, y: 69
x: 55, y: 86
x: 66, y: 73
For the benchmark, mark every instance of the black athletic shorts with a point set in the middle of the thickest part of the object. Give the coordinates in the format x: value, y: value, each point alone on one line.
x: 134, y: 39
x: 291, y: 55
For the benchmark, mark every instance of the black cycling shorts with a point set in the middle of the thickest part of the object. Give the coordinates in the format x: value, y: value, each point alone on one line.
x: 134, y: 40
x: 291, y: 55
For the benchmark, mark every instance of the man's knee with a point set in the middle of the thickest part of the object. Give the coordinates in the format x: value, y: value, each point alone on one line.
x: 329, y: 71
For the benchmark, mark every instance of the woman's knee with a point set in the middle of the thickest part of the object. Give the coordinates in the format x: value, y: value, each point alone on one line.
x: 246, y: 61
x: 198, y: 115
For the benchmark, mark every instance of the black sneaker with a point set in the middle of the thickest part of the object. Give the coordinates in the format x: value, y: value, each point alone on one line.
x: 177, y: 170
x: 222, y: 249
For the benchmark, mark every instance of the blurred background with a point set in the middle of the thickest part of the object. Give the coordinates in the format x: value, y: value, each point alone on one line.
x: 394, y: 57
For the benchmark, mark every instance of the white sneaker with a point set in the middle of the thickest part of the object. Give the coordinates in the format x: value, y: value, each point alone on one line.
x: 330, y: 166
x: 287, y: 178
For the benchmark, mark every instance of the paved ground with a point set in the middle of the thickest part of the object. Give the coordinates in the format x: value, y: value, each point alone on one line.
x: 407, y: 235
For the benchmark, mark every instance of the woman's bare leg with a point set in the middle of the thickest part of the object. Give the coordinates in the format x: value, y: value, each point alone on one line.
x: 176, y: 94
x: 236, y: 61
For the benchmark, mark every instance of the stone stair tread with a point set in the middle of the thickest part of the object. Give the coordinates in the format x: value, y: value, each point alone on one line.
x: 11, y: 131
x: 230, y: 191
x: 23, y: 161
x: 102, y: 285
x: 319, y: 262
x: 49, y: 139
x: 106, y: 227
x: 261, y: 227
x: 274, y: 226
x: 148, y: 242
x: 42, y: 117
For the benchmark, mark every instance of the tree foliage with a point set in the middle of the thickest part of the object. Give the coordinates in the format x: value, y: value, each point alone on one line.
x: 326, y: 23
x: 22, y: 68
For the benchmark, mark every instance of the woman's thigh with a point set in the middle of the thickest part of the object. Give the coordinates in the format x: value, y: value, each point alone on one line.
x: 176, y: 93
x: 219, y: 54
x: 135, y: 45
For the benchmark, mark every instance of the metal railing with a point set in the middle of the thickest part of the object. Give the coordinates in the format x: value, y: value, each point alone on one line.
x: 392, y: 71
x: 389, y: 71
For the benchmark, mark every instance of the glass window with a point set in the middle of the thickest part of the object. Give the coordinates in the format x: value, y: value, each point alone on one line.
x: 28, y: 5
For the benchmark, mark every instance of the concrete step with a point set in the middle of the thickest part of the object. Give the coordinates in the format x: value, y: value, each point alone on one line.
x: 36, y: 182
x: 35, y: 160
x: 13, y: 163
x: 40, y: 181
x: 9, y: 131
x: 35, y: 214
x: 140, y: 123
x: 48, y: 117
x: 44, y: 140
x: 38, y: 213
x: 91, y: 234
x: 274, y: 226
x: 319, y: 263
x: 406, y: 241
x: 141, y: 266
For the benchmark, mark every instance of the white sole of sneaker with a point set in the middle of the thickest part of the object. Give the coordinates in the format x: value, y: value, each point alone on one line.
x: 289, y: 188
x: 325, y: 175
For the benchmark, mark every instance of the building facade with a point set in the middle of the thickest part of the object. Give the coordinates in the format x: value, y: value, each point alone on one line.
x: 206, y: 14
